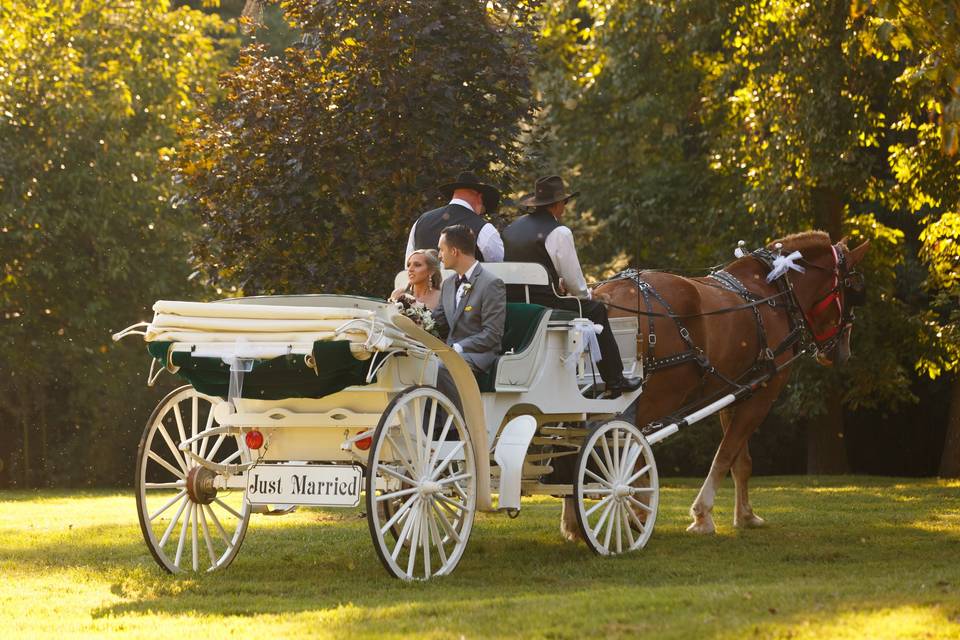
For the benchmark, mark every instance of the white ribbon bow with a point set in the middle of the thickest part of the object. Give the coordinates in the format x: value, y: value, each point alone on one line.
x: 782, y: 264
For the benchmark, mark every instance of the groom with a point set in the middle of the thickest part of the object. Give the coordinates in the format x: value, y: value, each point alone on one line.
x: 472, y: 309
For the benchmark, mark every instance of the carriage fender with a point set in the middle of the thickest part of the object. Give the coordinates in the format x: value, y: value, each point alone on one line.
x: 470, y: 398
x: 510, y: 452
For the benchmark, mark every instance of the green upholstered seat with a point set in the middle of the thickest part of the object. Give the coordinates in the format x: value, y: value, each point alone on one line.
x: 519, y: 330
x: 283, y: 377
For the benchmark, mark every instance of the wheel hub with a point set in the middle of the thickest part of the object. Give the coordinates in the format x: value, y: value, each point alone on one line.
x: 428, y: 488
x: 200, y: 485
x: 622, y: 490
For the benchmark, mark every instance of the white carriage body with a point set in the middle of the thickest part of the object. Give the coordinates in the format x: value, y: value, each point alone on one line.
x: 538, y: 390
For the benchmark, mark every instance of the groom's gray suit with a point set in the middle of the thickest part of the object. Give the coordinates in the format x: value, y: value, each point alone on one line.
x: 476, y: 324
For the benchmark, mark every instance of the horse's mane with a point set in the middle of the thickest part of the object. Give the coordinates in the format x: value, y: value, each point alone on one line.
x: 805, y: 239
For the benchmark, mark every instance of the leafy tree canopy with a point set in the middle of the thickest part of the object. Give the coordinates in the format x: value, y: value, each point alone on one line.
x: 309, y: 176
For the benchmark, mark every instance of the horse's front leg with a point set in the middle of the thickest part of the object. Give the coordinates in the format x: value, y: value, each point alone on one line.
x: 737, y: 424
x: 743, y: 515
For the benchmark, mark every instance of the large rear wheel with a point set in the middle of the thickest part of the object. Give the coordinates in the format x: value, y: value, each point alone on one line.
x: 188, y: 524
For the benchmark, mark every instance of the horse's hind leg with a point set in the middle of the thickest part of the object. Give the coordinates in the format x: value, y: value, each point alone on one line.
x: 743, y: 515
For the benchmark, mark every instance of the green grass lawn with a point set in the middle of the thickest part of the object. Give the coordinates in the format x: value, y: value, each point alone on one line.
x: 848, y: 557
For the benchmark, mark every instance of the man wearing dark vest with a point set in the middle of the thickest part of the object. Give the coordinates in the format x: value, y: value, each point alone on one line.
x: 539, y: 237
x: 469, y: 200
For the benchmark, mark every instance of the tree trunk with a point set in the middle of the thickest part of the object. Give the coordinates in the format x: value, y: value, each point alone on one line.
x: 826, y: 449
x: 950, y: 459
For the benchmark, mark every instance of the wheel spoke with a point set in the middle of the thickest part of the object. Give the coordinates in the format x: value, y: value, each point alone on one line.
x: 633, y: 516
x: 398, y: 476
x: 629, y: 529
x: 616, y: 453
x: 177, y: 454
x: 590, y: 511
x: 173, y: 523
x: 625, y: 453
x: 397, y: 494
x: 603, y: 468
x: 418, y: 431
x: 619, y: 525
x: 206, y: 441
x: 603, y: 519
x: 216, y: 447
x: 398, y: 515
x: 454, y: 479
x: 228, y: 508
x: 403, y: 458
x: 597, y: 478
x: 165, y: 485
x: 427, y: 454
x: 414, y: 543
x: 443, y: 465
x: 183, y: 537
x: 446, y: 523
x: 233, y: 456
x: 425, y: 537
x: 453, y: 503
x: 168, y: 505
x: 166, y: 465
x: 611, y: 513
x: 443, y: 438
x: 216, y: 522
x: 195, y: 534
x: 404, y: 532
x: 179, y: 419
x: 606, y: 455
x: 635, y: 476
x: 194, y: 423
x: 636, y: 502
x: 437, y: 539
x: 206, y: 537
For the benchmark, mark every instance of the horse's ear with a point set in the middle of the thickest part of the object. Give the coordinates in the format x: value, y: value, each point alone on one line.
x: 856, y: 255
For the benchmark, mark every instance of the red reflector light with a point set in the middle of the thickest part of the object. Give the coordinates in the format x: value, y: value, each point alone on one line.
x: 254, y: 439
x: 364, y: 443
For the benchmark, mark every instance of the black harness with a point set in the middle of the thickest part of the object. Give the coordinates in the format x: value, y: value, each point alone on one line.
x: 849, y: 291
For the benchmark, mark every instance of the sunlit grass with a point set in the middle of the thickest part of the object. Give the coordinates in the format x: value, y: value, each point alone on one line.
x: 842, y: 558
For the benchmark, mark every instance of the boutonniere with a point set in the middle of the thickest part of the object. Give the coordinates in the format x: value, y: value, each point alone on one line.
x: 466, y: 288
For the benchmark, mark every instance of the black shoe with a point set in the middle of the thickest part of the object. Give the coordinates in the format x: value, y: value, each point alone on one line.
x: 623, y: 385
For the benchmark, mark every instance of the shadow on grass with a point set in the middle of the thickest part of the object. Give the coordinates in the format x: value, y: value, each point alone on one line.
x: 829, y: 551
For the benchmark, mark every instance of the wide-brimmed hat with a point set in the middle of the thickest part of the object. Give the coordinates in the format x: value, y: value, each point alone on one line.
x: 547, y: 191
x: 469, y: 180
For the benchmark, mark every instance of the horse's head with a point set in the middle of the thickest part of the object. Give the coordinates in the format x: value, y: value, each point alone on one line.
x: 827, y: 291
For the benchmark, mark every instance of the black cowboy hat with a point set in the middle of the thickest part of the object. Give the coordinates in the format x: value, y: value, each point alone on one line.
x: 547, y: 191
x: 469, y: 180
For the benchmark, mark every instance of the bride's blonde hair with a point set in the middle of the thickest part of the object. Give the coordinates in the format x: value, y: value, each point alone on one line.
x: 433, y: 264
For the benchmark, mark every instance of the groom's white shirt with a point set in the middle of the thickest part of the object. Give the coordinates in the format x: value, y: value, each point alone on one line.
x: 489, y: 240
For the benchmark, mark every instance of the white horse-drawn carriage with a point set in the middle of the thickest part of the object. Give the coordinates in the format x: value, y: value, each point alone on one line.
x: 324, y: 400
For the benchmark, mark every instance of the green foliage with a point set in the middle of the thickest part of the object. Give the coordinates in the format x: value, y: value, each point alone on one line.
x: 309, y: 176
x: 89, y: 101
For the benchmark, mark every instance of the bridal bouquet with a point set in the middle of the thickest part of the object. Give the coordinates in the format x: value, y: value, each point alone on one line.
x: 416, y: 311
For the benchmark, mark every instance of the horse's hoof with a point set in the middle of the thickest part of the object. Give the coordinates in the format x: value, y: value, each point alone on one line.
x: 701, y: 527
x: 750, y: 522
x: 572, y: 536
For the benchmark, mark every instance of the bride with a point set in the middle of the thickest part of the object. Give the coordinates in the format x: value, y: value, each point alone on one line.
x: 423, y: 273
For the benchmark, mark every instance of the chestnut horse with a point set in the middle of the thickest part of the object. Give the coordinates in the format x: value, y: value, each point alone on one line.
x: 810, y: 303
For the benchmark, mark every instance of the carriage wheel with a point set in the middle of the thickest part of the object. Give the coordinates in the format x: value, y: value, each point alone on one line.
x: 429, y: 482
x: 616, y: 489
x: 188, y: 525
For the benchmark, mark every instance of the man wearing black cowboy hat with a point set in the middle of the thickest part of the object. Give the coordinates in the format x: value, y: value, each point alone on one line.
x: 469, y: 200
x: 539, y: 237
